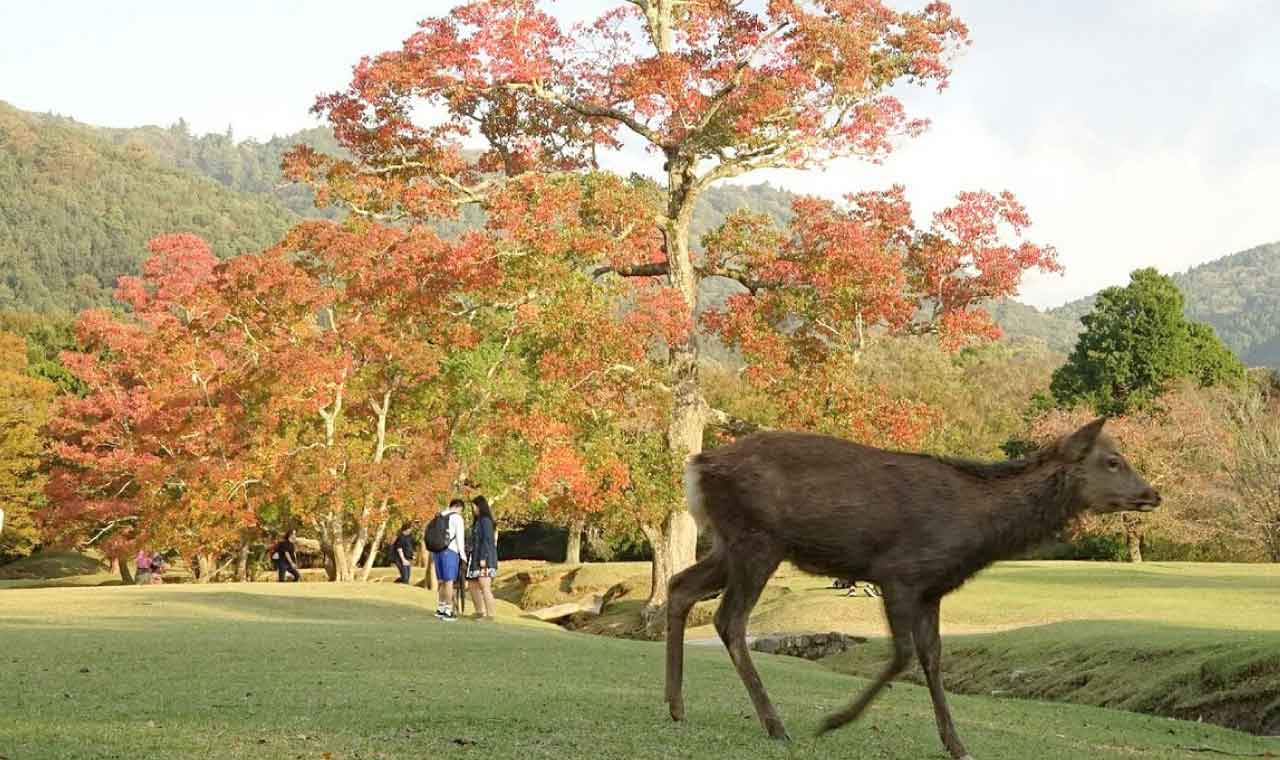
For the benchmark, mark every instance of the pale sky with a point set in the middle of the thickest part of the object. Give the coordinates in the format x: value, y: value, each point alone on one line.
x: 1137, y: 132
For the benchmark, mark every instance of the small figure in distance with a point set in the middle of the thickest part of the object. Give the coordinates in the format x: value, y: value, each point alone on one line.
x: 483, y: 564
x: 158, y: 565
x: 143, y: 565
x: 283, y: 556
x: 402, y: 553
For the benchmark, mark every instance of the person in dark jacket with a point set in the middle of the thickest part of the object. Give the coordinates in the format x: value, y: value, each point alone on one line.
x: 402, y: 553
x: 283, y: 555
x: 482, y: 564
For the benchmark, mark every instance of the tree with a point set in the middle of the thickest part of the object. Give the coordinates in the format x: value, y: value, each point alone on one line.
x: 713, y: 90
x: 1254, y: 419
x: 1135, y: 344
x: 24, y: 407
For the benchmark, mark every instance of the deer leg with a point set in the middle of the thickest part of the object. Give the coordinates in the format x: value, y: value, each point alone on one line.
x: 929, y: 649
x: 902, y: 608
x: 746, y: 581
x: 685, y: 590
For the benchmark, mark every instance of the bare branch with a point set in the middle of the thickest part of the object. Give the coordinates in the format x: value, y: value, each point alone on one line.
x: 731, y: 423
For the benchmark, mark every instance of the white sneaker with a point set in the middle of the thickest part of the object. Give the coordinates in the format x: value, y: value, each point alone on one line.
x: 449, y: 617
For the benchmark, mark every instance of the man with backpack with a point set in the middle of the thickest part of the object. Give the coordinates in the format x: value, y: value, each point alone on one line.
x: 445, y: 538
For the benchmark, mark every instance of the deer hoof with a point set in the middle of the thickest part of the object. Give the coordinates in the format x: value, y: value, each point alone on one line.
x: 677, y: 711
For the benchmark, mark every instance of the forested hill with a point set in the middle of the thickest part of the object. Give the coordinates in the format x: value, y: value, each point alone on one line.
x: 1238, y: 294
x: 76, y: 212
x: 78, y: 203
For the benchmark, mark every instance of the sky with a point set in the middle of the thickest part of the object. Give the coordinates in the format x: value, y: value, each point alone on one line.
x: 1137, y: 133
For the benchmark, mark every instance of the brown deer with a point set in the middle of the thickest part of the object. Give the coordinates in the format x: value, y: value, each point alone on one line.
x: 918, y: 526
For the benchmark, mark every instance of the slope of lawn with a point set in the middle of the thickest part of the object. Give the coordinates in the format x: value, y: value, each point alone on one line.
x: 364, y: 671
x: 1228, y: 677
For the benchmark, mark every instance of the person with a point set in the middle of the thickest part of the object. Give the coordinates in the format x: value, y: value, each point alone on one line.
x: 158, y: 565
x: 283, y: 555
x: 483, y: 564
x: 449, y: 560
x: 402, y: 553
x: 143, y: 563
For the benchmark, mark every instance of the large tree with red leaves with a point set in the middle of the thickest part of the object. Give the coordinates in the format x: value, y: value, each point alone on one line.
x: 713, y: 90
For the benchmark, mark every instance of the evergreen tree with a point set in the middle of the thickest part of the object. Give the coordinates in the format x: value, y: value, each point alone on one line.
x: 1135, y: 343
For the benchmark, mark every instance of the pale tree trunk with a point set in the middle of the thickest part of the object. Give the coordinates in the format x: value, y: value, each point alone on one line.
x: 660, y: 574
x: 114, y: 566
x: 373, y: 551
x: 1133, y: 537
x: 573, y: 549
x: 242, y: 564
x: 205, y: 565
x: 677, y: 540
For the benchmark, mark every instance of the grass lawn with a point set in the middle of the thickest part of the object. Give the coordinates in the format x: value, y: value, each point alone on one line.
x: 363, y: 671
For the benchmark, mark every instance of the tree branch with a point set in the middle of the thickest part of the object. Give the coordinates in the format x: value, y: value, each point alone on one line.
x: 654, y: 269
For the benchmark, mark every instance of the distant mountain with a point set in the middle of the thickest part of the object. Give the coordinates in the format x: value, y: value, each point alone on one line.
x: 1239, y: 295
x: 76, y: 212
x: 78, y: 203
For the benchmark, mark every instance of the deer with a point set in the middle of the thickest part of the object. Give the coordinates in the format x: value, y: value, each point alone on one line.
x: 916, y: 525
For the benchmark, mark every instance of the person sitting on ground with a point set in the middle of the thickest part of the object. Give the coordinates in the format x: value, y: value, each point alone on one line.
x: 445, y: 537
x: 283, y: 554
x: 143, y: 565
x: 402, y: 553
x: 483, y: 563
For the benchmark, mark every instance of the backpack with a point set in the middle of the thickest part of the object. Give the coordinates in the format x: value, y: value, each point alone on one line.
x: 437, y: 535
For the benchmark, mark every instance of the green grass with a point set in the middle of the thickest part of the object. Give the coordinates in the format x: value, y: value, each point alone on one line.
x: 363, y: 671
x: 51, y: 566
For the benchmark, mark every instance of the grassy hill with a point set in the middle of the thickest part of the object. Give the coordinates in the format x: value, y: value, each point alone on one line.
x: 363, y: 671
x: 76, y: 212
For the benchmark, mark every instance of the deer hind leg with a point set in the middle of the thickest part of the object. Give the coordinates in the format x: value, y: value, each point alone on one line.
x: 902, y: 608
x: 929, y: 649
x: 685, y: 590
x: 749, y: 571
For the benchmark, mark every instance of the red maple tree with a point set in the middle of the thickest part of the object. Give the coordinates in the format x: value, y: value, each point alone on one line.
x: 713, y: 90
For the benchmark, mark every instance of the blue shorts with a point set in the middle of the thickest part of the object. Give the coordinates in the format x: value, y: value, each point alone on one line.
x: 447, y: 565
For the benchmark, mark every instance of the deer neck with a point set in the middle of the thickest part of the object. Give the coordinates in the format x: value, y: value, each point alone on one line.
x: 1035, y: 506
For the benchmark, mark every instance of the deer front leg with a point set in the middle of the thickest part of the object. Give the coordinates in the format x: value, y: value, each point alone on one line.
x: 746, y: 581
x: 902, y: 607
x: 929, y: 649
x: 685, y: 589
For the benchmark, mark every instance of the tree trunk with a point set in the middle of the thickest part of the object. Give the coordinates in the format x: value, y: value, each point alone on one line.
x: 114, y: 567
x: 1133, y: 538
x: 573, y: 550
x: 122, y: 567
x: 206, y: 565
x: 338, y: 561
x: 677, y: 542
x: 242, y: 564
x: 373, y: 551
x: 653, y: 614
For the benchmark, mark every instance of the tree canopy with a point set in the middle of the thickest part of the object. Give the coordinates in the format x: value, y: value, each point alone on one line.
x: 1135, y: 344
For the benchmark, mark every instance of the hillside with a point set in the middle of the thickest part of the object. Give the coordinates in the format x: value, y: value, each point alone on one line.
x: 77, y: 204
x: 76, y: 212
x: 1239, y: 295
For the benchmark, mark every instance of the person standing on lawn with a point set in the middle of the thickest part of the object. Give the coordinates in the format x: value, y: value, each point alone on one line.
x: 445, y: 539
x: 402, y: 553
x: 283, y: 555
x: 483, y: 563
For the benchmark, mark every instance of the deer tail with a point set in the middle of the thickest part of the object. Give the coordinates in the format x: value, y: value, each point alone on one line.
x: 693, y: 495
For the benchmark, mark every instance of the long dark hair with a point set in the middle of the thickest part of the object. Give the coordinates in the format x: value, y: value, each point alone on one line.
x: 482, y: 507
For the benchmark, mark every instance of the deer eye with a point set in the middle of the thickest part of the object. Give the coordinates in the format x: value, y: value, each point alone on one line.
x: 1113, y: 463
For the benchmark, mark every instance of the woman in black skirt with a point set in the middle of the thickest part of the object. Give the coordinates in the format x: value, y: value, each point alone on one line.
x: 482, y: 558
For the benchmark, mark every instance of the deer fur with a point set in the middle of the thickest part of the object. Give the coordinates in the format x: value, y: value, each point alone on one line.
x: 917, y: 526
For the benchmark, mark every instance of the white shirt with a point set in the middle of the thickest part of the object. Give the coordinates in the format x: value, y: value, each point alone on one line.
x: 457, y: 533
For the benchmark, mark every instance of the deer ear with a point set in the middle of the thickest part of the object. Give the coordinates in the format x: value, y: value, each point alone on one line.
x: 1081, y: 442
